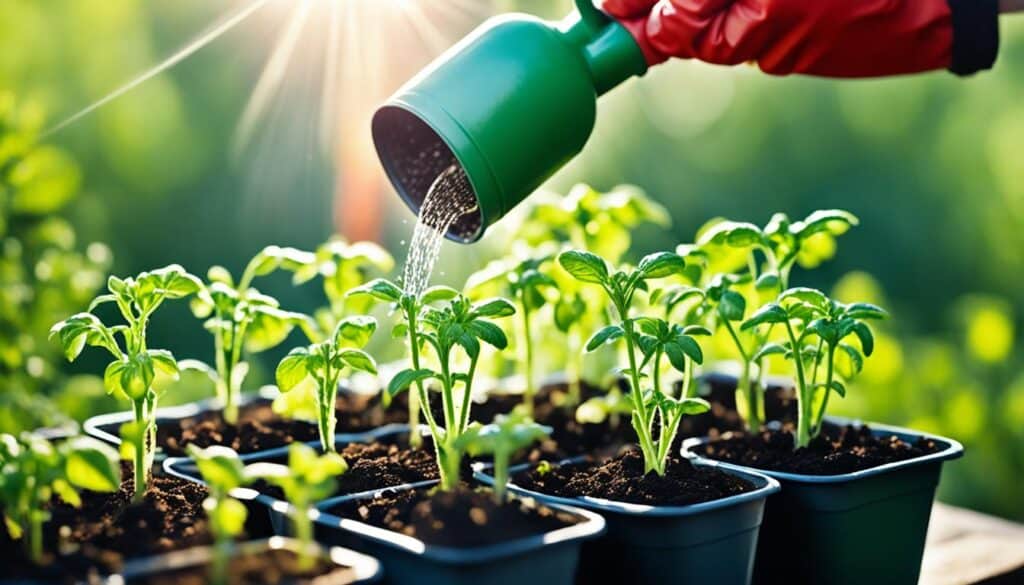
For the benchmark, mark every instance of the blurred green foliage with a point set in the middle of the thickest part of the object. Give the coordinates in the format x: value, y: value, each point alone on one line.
x: 930, y: 163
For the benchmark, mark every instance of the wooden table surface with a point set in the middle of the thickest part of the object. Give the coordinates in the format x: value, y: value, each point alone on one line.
x: 969, y: 547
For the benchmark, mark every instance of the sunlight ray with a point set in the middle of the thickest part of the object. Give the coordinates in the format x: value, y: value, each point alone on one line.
x: 227, y: 23
x: 273, y: 73
x: 332, y: 59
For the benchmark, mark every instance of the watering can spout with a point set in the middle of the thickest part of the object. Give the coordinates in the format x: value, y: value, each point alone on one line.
x: 510, y: 104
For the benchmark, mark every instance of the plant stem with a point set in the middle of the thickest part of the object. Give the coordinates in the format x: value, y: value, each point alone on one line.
x: 221, y: 560
x: 528, y: 355
x: 803, y: 434
x: 747, y: 398
x: 829, y: 374
x: 303, y: 533
x: 139, y: 456
x: 501, y: 463
x: 467, y: 396
x: 419, y: 399
x: 35, y: 537
x: 643, y: 425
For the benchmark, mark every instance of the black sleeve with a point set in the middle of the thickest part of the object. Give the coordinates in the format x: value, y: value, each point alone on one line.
x: 975, y: 35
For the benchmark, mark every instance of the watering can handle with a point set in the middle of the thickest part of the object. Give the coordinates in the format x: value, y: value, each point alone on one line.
x: 592, y: 16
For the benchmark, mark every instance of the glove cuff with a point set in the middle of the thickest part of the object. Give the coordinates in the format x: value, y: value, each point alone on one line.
x: 975, y: 35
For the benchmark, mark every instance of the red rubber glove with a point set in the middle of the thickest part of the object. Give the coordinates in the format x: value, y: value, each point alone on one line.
x: 833, y: 38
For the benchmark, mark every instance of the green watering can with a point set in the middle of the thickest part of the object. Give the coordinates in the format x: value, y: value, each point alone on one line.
x: 510, y: 104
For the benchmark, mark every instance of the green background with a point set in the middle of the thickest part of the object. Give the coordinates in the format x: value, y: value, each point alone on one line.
x: 931, y: 164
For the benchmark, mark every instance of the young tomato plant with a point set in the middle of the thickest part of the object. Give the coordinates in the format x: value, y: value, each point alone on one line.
x: 222, y: 471
x: 648, y: 340
x: 135, y: 366
x: 758, y: 261
x: 457, y: 323
x: 501, y: 439
x: 34, y: 470
x: 816, y: 329
x: 240, y: 317
x: 324, y: 363
x: 307, y: 478
x: 524, y: 281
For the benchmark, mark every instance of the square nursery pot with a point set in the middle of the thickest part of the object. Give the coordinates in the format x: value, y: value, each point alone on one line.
x: 350, y: 567
x: 867, y: 526
x: 710, y: 542
x: 268, y: 515
x: 548, y: 558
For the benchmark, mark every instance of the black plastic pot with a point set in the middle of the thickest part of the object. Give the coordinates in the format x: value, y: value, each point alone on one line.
x: 352, y: 567
x: 711, y: 542
x: 549, y: 558
x: 267, y: 514
x: 863, y: 527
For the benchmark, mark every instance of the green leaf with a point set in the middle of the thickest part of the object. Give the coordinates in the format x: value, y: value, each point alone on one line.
x: 269, y: 327
x: 770, y: 313
x: 865, y: 311
x: 836, y: 386
x: 676, y: 356
x: 691, y: 348
x: 833, y: 221
x: 732, y: 233
x: 767, y: 281
x: 400, y: 331
x: 770, y: 349
x: 406, y: 378
x: 354, y: 331
x: 584, y: 266
x: 856, y: 359
x: 732, y: 306
x: 568, y: 311
x: 136, y: 375
x: 867, y: 339
x: 164, y: 362
x: 380, y: 289
x: 605, y: 335
x: 813, y: 297
x: 494, y: 308
x: 293, y: 369
x: 661, y: 265
x: 358, y: 360
x: 489, y: 333
x: 438, y: 293
x: 220, y: 466
x: 92, y: 465
x: 227, y: 516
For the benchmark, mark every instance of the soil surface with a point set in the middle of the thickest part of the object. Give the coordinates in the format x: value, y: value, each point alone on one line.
x: 622, y: 479
x: 260, y: 428
x: 108, y: 528
x: 386, y: 462
x: 267, y: 568
x: 837, y: 450
x: 461, y: 518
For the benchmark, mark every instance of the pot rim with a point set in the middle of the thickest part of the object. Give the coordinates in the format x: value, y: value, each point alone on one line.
x: 178, y: 467
x: 953, y: 449
x: 364, y: 568
x: 765, y: 486
x: 93, y: 426
x: 592, y: 526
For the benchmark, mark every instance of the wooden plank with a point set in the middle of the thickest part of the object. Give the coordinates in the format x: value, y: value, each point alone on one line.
x: 966, y: 547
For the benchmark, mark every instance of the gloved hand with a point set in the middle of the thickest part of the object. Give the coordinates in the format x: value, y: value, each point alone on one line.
x: 833, y: 38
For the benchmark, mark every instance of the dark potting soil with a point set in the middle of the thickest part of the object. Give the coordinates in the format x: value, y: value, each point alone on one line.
x: 461, y: 518
x: 622, y: 479
x: 837, y: 450
x: 386, y: 462
x: 260, y: 428
x: 107, y: 528
x: 270, y: 567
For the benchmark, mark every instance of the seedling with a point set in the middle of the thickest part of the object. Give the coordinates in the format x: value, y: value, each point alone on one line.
x: 590, y: 220
x: 34, y: 470
x: 306, y: 479
x: 761, y: 262
x: 222, y: 471
x: 501, y: 439
x: 645, y: 348
x: 135, y: 367
x: 325, y: 363
x: 343, y: 267
x: 816, y: 329
x: 240, y: 317
x: 527, y: 285
x: 456, y: 324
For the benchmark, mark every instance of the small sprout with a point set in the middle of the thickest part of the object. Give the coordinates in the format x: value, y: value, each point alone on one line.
x: 817, y: 329
x: 324, y: 363
x: 136, y: 370
x: 222, y: 471
x: 646, y: 348
x: 544, y: 467
x: 456, y: 324
x: 526, y: 282
x: 306, y: 479
x: 502, y: 438
x: 34, y: 470
x: 243, y: 319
